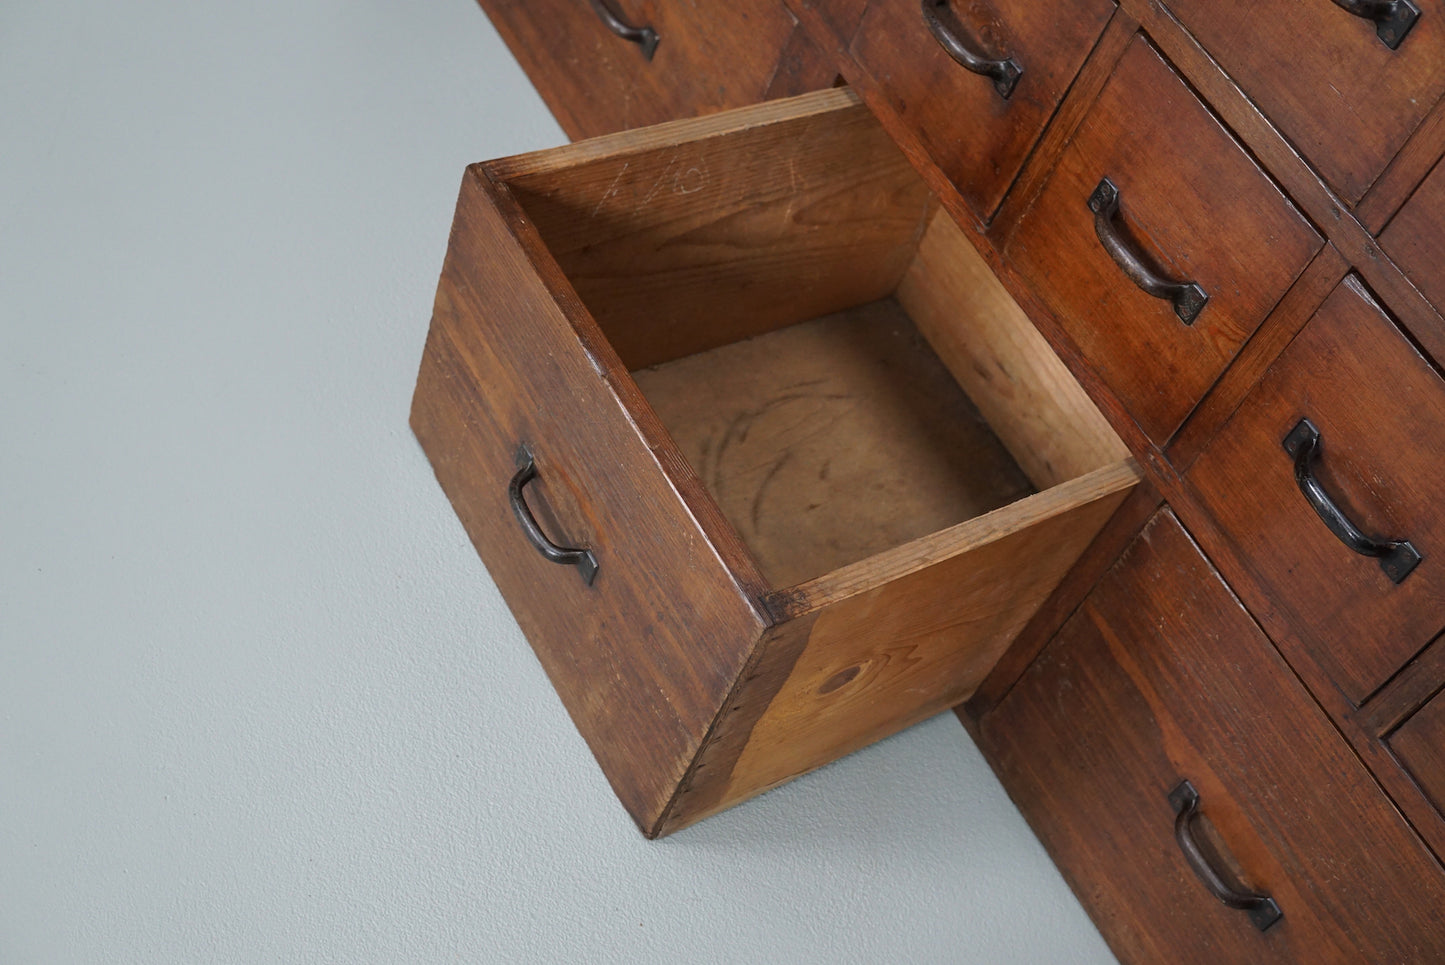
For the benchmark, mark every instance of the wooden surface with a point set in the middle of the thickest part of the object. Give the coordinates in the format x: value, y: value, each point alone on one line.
x: 505, y: 364
x: 1196, y: 203
x: 832, y: 440
x: 1022, y: 389
x: 1162, y: 676
x: 1345, y: 100
x: 1413, y: 237
x: 711, y: 55
x: 977, y: 137
x: 692, y: 235
x: 1419, y: 744
x: 1379, y: 407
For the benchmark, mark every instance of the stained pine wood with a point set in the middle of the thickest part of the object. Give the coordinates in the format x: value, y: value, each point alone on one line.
x: 925, y: 551
x: 1378, y: 405
x: 977, y: 137
x: 1197, y: 205
x: 1419, y: 744
x: 1346, y: 101
x: 1162, y: 676
x: 832, y: 440
x: 711, y: 55
x: 685, y: 237
x: 1413, y: 237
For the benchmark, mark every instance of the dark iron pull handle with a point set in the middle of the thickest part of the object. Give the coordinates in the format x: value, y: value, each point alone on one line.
x: 1397, y: 557
x: 1004, y: 73
x: 644, y: 36
x: 1392, y: 18
x: 583, y: 559
x: 1261, y: 909
x: 1187, y: 297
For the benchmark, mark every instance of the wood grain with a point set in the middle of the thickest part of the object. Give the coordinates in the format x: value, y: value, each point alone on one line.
x: 1163, y: 676
x: 1419, y: 744
x: 712, y: 55
x: 832, y: 440
x: 1378, y: 405
x: 1345, y: 100
x: 978, y: 138
x: 1196, y: 203
x: 697, y: 234
x: 1413, y: 237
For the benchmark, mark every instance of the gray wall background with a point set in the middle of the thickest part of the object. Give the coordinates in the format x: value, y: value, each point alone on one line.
x: 259, y: 701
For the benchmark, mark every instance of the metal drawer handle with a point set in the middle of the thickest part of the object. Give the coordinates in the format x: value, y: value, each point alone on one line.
x: 645, y: 37
x: 1262, y: 909
x: 1397, y: 557
x: 1187, y: 297
x: 1392, y: 18
x: 1004, y: 73
x: 583, y: 559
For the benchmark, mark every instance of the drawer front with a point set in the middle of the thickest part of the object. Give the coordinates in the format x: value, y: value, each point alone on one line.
x: 1413, y: 237
x: 644, y: 655
x: 1345, y: 99
x: 841, y: 17
x: 978, y: 136
x: 1161, y: 677
x: 1419, y: 745
x: 1192, y: 210
x: 1379, y: 410
x: 603, y: 73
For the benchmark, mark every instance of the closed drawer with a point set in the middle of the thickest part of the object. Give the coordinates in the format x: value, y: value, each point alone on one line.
x: 1419, y: 745
x: 1326, y: 78
x: 824, y: 467
x: 1161, y: 678
x: 1413, y: 237
x: 1377, y: 409
x: 610, y: 65
x: 1158, y: 243
x: 978, y: 127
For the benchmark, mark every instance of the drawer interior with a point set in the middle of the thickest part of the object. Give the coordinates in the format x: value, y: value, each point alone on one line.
x: 830, y: 354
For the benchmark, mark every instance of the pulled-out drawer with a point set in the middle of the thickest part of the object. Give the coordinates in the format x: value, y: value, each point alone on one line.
x: 806, y: 467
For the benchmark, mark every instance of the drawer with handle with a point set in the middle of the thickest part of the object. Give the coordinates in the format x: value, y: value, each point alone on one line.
x: 764, y: 460
x: 1200, y: 803
x: 609, y: 65
x: 977, y: 81
x: 1327, y: 481
x: 1347, y: 81
x: 1158, y: 243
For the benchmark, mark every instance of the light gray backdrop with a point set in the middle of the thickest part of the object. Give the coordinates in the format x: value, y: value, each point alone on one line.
x: 259, y: 701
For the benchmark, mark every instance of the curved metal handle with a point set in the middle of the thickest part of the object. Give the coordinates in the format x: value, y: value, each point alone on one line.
x: 1262, y: 909
x: 1397, y: 557
x: 1004, y: 73
x: 582, y: 558
x: 644, y: 36
x: 1187, y: 297
x: 1392, y: 18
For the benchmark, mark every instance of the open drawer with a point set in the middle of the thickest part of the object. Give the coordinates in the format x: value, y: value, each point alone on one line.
x: 805, y: 467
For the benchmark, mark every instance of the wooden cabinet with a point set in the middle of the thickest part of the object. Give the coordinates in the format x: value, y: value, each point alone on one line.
x: 1161, y: 678
x: 977, y: 81
x: 610, y: 65
x: 1158, y: 243
x: 1334, y: 454
x: 743, y: 379
x: 797, y: 388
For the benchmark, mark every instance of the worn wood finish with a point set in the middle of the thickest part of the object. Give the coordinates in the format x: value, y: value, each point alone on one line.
x: 1162, y: 676
x: 976, y: 136
x: 1379, y: 406
x: 1419, y: 744
x: 1020, y: 386
x: 1413, y: 237
x: 686, y: 237
x: 1194, y: 201
x: 832, y: 440
x: 505, y: 364
x: 837, y: 20
x: 711, y: 55
x: 1347, y: 101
